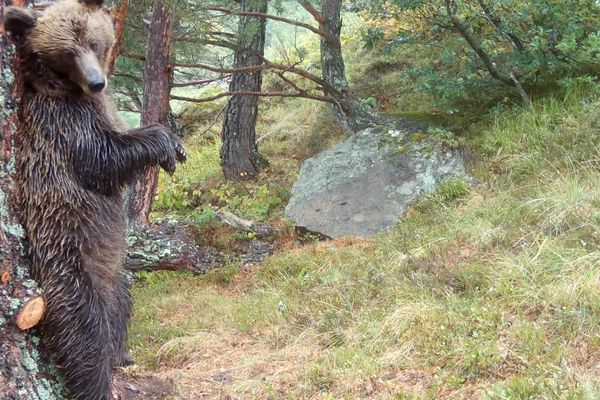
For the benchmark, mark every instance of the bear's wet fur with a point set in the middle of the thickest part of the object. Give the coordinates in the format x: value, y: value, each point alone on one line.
x: 74, y: 161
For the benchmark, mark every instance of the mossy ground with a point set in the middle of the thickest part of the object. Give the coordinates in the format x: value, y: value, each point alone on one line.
x: 488, y: 292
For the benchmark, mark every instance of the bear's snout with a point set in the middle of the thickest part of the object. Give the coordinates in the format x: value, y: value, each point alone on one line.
x: 97, y: 85
x: 88, y: 73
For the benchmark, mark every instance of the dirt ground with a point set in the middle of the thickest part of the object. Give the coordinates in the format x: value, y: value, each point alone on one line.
x: 231, y: 367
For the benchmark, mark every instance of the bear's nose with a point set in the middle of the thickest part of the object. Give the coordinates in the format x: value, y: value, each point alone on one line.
x: 97, y: 86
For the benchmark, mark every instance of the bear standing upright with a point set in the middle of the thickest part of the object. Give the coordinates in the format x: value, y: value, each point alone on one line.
x: 73, y: 164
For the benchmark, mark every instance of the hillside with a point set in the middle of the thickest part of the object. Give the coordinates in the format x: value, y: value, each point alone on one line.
x: 491, y: 291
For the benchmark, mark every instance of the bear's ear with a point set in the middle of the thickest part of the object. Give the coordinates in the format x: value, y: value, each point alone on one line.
x: 18, y: 20
x: 92, y: 2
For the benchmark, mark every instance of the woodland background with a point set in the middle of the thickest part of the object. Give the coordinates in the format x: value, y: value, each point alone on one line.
x: 489, y: 291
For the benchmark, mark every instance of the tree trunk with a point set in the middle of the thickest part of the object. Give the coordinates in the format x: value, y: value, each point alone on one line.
x: 240, y: 159
x: 155, y: 108
x: 119, y: 16
x: 350, y: 113
x: 25, y: 370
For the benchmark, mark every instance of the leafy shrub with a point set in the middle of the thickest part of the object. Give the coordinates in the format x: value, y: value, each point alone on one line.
x: 545, y: 44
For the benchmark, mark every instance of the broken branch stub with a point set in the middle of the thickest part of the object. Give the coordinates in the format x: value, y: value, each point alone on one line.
x: 31, y: 313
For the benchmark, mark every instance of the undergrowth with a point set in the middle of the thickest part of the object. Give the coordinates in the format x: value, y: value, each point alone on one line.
x: 285, y: 140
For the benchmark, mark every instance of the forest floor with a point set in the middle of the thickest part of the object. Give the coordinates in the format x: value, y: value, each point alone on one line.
x: 488, y: 292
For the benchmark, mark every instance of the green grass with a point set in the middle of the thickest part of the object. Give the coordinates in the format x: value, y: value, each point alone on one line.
x: 488, y: 292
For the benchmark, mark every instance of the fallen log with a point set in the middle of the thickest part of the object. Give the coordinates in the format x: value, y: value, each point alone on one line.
x: 171, y: 246
x: 168, y: 245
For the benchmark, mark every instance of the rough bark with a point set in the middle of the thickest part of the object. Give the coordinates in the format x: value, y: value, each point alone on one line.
x: 350, y: 113
x: 119, y: 15
x: 155, y: 107
x: 25, y: 370
x: 240, y: 159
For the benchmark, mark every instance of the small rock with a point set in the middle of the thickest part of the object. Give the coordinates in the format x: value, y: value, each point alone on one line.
x: 132, y: 388
x: 223, y: 377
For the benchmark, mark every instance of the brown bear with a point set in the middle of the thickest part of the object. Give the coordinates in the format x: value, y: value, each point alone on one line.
x: 74, y: 162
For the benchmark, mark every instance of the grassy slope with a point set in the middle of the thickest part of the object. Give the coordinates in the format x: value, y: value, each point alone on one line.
x: 491, y: 292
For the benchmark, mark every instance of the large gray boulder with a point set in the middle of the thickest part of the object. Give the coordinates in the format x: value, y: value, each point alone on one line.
x: 365, y: 184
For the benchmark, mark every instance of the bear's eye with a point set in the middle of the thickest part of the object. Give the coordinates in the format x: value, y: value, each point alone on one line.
x: 94, y: 46
x: 68, y: 55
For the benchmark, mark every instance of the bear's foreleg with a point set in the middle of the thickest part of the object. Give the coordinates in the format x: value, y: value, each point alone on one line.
x: 107, y: 162
x: 153, y: 145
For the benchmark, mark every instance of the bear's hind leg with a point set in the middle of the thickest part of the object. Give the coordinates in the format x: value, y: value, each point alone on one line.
x: 77, y: 332
x: 122, y: 314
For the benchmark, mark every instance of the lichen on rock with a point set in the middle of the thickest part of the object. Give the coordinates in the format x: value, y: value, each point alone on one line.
x: 365, y: 184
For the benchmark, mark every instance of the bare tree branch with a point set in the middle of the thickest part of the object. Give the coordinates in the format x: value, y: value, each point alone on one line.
x: 212, y: 68
x: 133, y: 97
x: 474, y: 43
x: 138, y: 57
x: 267, y: 65
x: 524, y: 97
x: 499, y: 25
x: 290, y: 82
x: 312, y: 10
x: 214, y: 121
x: 128, y: 76
x: 305, y: 74
x: 510, y: 80
x: 218, y: 43
x: 311, y: 28
x: 258, y: 94
x: 201, y: 82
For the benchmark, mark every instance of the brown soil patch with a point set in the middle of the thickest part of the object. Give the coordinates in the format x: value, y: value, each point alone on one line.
x: 233, y: 365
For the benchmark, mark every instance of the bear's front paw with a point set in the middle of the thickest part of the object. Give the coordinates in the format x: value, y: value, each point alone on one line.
x: 180, y: 153
x: 176, y: 153
x: 168, y: 163
x: 172, y: 150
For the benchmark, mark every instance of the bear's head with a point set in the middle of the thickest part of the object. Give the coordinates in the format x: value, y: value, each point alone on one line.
x: 66, y: 47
